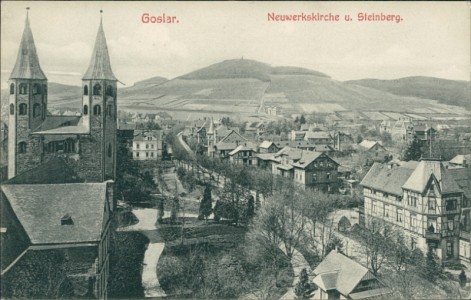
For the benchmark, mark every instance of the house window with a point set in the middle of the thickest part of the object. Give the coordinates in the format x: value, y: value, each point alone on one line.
x: 432, y: 225
x: 449, y: 249
x: 36, y: 110
x: 329, y: 176
x: 451, y: 224
x: 12, y: 109
x: 137, y: 154
x: 97, y: 110
x: 12, y: 89
x: 85, y: 110
x: 451, y: 205
x: 23, y: 109
x: 85, y: 90
x: 373, y: 207
x: 23, y: 88
x: 431, y: 204
x: 152, y: 146
x: 147, y: 154
x: 22, y: 148
x: 110, y: 150
x: 152, y: 154
x: 399, y: 215
x: 413, y: 222
x: 97, y: 89
x: 147, y: 146
x: 137, y: 146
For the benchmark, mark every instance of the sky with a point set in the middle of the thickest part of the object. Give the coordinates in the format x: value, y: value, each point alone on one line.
x: 433, y: 39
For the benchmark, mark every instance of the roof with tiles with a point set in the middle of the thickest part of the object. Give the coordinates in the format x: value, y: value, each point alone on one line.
x: 336, y: 271
x: 420, y: 178
x: 40, y: 209
x: 389, y: 180
x: 54, y: 171
x: 27, y: 62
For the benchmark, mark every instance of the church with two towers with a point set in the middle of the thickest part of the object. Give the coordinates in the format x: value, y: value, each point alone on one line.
x: 59, y: 198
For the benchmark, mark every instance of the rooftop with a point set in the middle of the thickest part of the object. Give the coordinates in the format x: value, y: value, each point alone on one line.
x: 40, y: 208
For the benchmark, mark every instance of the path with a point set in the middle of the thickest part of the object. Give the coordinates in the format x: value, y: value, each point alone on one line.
x: 298, y: 262
x: 150, y: 281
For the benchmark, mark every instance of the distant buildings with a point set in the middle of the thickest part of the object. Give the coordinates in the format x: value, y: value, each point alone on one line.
x: 429, y: 202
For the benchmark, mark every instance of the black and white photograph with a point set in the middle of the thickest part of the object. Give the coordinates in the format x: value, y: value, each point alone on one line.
x: 235, y: 150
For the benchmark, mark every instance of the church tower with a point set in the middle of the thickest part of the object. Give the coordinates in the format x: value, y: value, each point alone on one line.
x: 27, y: 105
x: 99, y: 108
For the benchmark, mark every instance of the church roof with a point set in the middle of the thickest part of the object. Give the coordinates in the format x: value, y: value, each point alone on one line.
x: 27, y: 63
x: 100, y: 66
x: 40, y: 209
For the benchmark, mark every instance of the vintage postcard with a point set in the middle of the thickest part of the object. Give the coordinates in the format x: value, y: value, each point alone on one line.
x: 242, y: 150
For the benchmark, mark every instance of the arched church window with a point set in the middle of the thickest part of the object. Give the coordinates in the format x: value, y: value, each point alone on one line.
x: 23, y: 109
x: 109, y: 90
x: 97, y: 89
x: 97, y: 110
x: 12, y: 89
x: 85, y: 110
x: 23, y: 88
x: 109, y: 110
x: 22, y: 147
x: 45, y: 89
x: 12, y: 109
x: 85, y: 90
x: 36, y: 89
x: 36, y: 110
x: 110, y: 150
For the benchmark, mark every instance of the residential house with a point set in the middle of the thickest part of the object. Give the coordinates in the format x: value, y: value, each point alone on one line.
x: 402, y: 130
x: 374, y: 148
x: 424, y: 198
x: 226, y: 145
x: 424, y: 133
x: 313, y: 170
x: 339, y: 277
x: 319, y: 137
x: 267, y: 147
x: 297, y: 135
x: 255, y: 128
x: 461, y: 161
x: 147, y: 145
x: 244, y: 154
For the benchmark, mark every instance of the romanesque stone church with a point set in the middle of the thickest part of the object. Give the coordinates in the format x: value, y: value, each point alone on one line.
x: 59, y: 198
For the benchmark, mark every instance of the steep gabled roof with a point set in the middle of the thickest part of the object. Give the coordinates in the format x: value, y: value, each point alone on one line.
x: 27, y: 62
x: 265, y: 144
x: 421, y: 176
x: 460, y: 159
x: 100, y: 66
x: 339, y: 272
x: 40, y: 209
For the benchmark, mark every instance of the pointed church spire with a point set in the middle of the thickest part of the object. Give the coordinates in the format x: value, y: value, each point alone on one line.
x: 27, y: 63
x: 100, y: 66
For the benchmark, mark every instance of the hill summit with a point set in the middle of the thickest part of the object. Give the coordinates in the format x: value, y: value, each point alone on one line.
x: 245, y: 68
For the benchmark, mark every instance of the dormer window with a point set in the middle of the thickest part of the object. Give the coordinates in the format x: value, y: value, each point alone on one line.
x: 23, y: 88
x: 67, y: 220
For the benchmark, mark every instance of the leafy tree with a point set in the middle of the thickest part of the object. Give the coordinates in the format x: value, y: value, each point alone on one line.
x: 334, y: 243
x: 302, y: 120
x: 206, y: 203
x: 303, y: 289
x: 432, y: 268
x: 39, y: 274
x: 175, y: 210
x: 376, y: 238
x: 412, y: 151
x: 161, y: 212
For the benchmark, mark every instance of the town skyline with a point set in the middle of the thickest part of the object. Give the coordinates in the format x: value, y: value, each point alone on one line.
x: 420, y: 45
